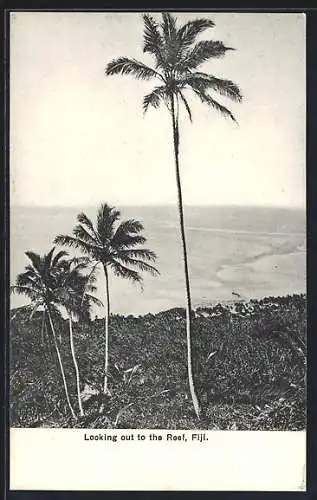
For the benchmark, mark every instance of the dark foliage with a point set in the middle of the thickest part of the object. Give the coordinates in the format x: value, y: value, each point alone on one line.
x: 177, y: 56
x: 250, y: 368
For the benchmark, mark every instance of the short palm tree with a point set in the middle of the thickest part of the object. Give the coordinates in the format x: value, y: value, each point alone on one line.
x: 39, y: 283
x: 74, y: 294
x: 115, y: 246
x: 177, y: 58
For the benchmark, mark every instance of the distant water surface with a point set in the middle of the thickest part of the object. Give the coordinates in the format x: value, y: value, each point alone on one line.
x: 251, y: 251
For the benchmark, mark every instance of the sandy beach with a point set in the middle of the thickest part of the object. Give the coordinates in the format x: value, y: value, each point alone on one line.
x: 252, y: 252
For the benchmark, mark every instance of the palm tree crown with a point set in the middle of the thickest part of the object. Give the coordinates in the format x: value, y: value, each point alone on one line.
x: 177, y: 57
x: 75, y: 287
x: 112, y: 243
x: 41, y: 278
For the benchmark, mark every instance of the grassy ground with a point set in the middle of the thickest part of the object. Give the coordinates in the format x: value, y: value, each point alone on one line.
x: 249, y: 370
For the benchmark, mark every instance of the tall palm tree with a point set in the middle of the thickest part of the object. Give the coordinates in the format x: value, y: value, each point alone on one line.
x: 74, y: 294
x: 38, y: 283
x: 177, y: 57
x: 115, y: 246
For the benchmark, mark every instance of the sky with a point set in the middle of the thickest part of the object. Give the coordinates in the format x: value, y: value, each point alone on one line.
x: 79, y: 138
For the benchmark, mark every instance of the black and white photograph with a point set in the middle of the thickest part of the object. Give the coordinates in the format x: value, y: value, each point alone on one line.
x: 157, y: 222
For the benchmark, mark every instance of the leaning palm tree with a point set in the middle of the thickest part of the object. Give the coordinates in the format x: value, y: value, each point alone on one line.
x: 115, y: 246
x: 38, y: 283
x: 74, y: 294
x: 177, y: 58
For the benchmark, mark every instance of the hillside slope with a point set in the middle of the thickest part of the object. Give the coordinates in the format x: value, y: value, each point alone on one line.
x: 249, y: 365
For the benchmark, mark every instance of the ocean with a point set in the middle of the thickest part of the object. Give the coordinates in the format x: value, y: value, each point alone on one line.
x: 250, y: 251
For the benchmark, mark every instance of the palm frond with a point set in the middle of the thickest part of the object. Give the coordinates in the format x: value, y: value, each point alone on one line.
x: 153, y: 41
x: 126, y: 235
x: 224, y: 87
x: 137, y: 253
x: 28, y: 279
x: 186, y: 105
x: 129, y: 226
x: 29, y: 268
x: 73, y: 242
x: 24, y: 290
x: 154, y: 98
x: 69, y: 295
x: 73, y: 284
x: 84, y: 219
x: 124, y: 272
x: 106, y: 218
x: 81, y: 262
x: 129, y: 241
x: 35, y: 259
x: 169, y: 27
x: 94, y: 300
x: 126, y: 66
x: 206, y: 99
x: 74, y: 276
x: 47, y: 260
x: 91, y: 276
x: 105, y: 211
x: 78, y: 283
x: 60, y: 255
x: 203, y: 51
x: 192, y: 29
x: 82, y: 233
x: 30, y: 273
x: 172, y: 46
x: 136, y: 263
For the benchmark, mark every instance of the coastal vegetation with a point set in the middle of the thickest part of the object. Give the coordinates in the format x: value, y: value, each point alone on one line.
x: 250, y: 360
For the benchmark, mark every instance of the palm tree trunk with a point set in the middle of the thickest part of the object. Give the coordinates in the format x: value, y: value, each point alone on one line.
x: 187, y: 285
x: 61, y: 365
x: 107, y: 313
x: 42, y: 329
x: 47, y: 355
x: 48, y: 345
x: 71, y: 340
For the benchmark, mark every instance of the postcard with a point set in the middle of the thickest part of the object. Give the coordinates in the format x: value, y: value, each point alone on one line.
x: 157, y: 251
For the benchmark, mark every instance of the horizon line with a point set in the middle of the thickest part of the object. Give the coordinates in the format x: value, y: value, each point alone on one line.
x: 153, y: 205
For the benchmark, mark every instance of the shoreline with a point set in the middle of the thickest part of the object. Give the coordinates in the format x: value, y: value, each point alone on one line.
x: 216, y: 238
x: 227, y: 304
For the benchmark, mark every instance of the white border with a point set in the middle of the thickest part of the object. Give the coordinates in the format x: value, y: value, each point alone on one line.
x: 62, y: 459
